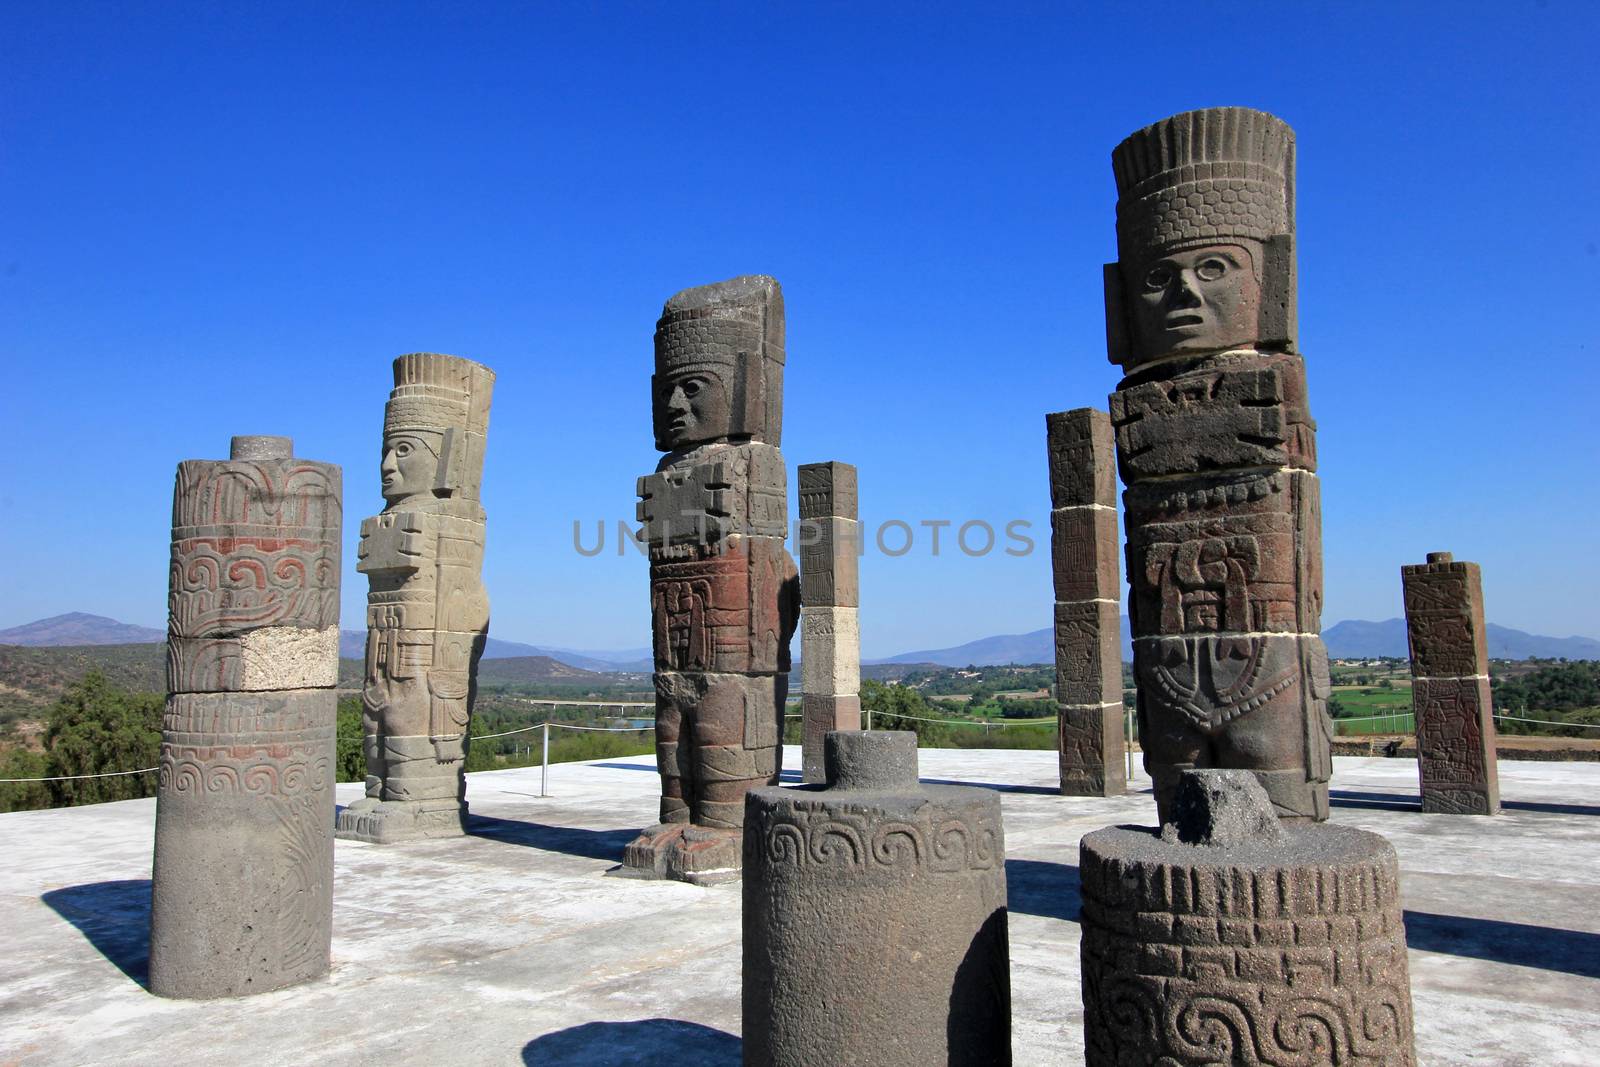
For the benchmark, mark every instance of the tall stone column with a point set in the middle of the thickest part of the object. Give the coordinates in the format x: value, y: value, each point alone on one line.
x: 427, y: 608
x: 1217, y: 449
x: 1450, y: 693
x: 724, y: 593
x: 1083, y: 548
x: 1229, y: 937
x: 242, y: 896
x: 875, y: 917
x: 830, y: 590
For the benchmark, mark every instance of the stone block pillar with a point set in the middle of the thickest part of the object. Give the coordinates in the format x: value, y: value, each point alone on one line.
x: 875, y: 917
x: 1083, y: 549
x: 1450, y: 686
x: 1230, y: 937
x: 830, y: 598
x: 242, y: 897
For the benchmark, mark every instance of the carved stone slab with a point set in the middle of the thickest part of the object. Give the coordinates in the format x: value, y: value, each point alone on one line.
x: 875, y: 917
x: 1084, y: 553
x: 1450, y: 692
x: 242, y: 883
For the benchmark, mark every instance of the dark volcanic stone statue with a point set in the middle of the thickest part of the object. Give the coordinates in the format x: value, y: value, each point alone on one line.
x: 242, y: 894
x: 1450, y: 687
x: 427, y: 609
x: 830, y: 589
x: 1083, y: 548
x: 724, y: 592
x: 1217, y: 448
x: 1230, y: 937
x: 875, y: 917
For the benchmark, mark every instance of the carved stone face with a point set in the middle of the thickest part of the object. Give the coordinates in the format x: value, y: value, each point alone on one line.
x: 1199, y: 300
x: 691, y: 408
x: 410, y: 464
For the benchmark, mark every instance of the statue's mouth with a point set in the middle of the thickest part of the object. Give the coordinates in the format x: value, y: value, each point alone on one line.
x: 1186, y: 318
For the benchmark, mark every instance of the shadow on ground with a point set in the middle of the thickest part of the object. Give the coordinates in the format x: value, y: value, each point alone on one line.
x: 1349, y: 798
x: 115, y: 917
x: 1037, y: 887
x: 573, y: 840
x: 645, y: 1043
x: 1544, y: 947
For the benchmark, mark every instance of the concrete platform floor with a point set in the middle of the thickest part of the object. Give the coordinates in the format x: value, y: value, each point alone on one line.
x: 509, y: 947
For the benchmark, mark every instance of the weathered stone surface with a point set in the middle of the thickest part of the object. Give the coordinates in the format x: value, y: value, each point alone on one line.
x: 242, y: 883
x: 820, y: 716
x: 1088, y: 652
x: 427, y: 609
x: 830, y: 589
x: 1093, y: 750
x: 1217, y: 447
x: 875, y: 917
x: 1088, y: 637
x: 1230, y: 938
x: 725, y: 594
x: 1450, y: 692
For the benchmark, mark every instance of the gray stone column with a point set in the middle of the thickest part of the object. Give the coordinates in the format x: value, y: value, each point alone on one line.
x: 242, y: 898
x: 830, y: 598
x: 875, y: 917
x: 1450, y: 693
x: 1231, y: 937
x: 1083, y: 549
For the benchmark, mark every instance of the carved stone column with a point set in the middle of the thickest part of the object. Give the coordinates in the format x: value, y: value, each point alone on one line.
x: 724, y: 593
x: 242, y: 895
x: 1083, y: 548
x: 1217, y: 448
x: 830, y: 592
x: 427, y: 608
x: 1229, y: 937
x: 1450, y: 693
x: 875, y: 917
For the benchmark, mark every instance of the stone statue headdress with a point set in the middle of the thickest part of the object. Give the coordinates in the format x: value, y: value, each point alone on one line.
x: 446, y: 398
x: 1217, y: 176
x: 731, y: 331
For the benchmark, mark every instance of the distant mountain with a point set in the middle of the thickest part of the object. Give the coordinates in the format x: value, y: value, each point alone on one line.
x: 1039, y: 646
x: 521, y: 669
x: 1357, y: 638
x: 79, y: 628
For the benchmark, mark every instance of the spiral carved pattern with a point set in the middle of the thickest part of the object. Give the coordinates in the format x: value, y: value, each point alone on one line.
x: 1194, y: 962
x: 823, y: 839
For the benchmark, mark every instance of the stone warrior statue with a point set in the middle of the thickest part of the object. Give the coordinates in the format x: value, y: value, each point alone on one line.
x: 724, y: 592
x: 427, y: 610
x: 1217, y: 449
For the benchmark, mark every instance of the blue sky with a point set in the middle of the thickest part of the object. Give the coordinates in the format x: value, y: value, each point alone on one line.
x: 229, y: 218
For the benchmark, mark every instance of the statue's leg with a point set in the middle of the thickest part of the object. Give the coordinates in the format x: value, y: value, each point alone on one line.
x: 1171, y: 744
x: 735, y: 746
x: 670, y: 753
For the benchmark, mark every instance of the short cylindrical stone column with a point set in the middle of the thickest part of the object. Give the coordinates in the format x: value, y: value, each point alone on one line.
x: 1450, y: 686
x: 1225, y: 939
x: 830, y: 598
x: 242, y: 898
x: 875, y: 917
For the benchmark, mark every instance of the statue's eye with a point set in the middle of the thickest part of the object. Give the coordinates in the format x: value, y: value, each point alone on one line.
x: 692, y: 387
x: 1158, y: 277
x: 402, y: 449
x: 1210, y: 269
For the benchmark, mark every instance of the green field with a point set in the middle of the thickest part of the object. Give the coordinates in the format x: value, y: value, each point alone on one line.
x: 1362, y: 703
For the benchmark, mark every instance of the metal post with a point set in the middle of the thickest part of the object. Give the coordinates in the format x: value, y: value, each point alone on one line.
x: 869, y: 718
x: 544, y: 777
x: 1128, y: 747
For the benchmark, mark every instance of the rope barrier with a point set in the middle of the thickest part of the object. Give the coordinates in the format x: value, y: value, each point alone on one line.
x: 77, y: 777
x: 965, y: 722
x: 1549, y: 722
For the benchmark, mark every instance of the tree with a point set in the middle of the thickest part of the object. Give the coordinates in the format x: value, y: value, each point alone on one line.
x: 352, y: 760
x: 97, y: 728
x: 24, y: 796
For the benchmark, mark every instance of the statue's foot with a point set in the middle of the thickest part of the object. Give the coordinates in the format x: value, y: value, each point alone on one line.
x: 386, y: 822
x: 701, y: 855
